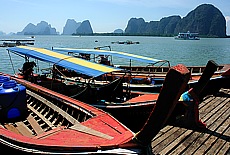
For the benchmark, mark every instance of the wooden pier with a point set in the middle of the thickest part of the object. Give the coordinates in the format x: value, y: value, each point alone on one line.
x: 215, y: 139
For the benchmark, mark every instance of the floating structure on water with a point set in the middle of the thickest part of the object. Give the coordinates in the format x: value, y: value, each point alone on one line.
x: 16, y: 42
x: 127, y: 42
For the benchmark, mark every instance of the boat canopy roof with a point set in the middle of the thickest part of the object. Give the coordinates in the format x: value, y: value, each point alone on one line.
x: 69, y: 62
x: 112, y: 53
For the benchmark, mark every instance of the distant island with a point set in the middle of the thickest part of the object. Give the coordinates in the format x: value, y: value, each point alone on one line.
x: 42, y: 28
x: 74, y: 28
x: 206, y: 19
x: 71, y: 27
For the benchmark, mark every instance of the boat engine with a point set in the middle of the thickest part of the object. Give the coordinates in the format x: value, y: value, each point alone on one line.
x: 12, y: 99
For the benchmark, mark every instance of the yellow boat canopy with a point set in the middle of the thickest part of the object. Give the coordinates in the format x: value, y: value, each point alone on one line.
x: 66, y: 61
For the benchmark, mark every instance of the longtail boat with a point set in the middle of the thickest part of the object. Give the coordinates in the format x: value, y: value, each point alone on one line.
x: 123, y: 105
x: 37, y: 120
x: 148, y: 78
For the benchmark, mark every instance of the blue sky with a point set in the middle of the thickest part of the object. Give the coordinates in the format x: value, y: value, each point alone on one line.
x: 104, y: 15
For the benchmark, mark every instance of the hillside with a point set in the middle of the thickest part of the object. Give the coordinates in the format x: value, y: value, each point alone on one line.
x: 206, y: 20
x: 42, y: 28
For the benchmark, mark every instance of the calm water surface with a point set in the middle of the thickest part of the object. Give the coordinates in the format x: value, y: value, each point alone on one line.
x: 187, y: 52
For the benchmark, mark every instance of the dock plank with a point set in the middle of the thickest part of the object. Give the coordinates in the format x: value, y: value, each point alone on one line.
x: 218, y: 140
x: 215, y: 139
x: 174, y: 144
x: 212, y: 121
x: 163, y: 137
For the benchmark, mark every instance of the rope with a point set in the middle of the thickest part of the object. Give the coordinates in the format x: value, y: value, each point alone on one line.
x: 56, y: 69
x: 11, y: 62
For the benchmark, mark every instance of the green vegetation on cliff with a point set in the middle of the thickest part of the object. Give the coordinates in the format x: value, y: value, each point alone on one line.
x: 206, y: 20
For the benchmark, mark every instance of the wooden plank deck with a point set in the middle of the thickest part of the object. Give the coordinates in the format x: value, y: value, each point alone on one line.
x: 215, y: 139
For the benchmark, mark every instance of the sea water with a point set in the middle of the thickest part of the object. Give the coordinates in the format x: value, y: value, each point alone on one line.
x: 187, y: 52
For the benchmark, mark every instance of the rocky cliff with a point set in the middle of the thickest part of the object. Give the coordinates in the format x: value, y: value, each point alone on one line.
x: 85, y: 28
x: 205, y: 19
x: 42, y: 28
x: 70, y: 27
x: 73, y: 27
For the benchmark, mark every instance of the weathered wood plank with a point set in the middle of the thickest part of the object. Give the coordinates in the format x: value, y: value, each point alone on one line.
x: 206, y: 101
x: 186, y: 143
x: 176, y: 142
x: 163, y: 137
x: 37, y: 128
x: 23, y: 129
x: 42, y: 117
x: 55, y: 108
x: 215, y: 112
x: 77, y: 126
x: 212, y: 115
x: 219, y: 111
x: 162, y: 131
x: 85, y: 129
x: 215, y: 107
x: 200, y: 140
x: 225, y: 149
x: 167, y: 142
x: 219, y: 140
x: 205, y: 111
x: 10, y: 127
x: 210, y: 138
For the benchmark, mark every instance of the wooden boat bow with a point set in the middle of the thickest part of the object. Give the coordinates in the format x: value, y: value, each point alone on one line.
x: 174, y: 85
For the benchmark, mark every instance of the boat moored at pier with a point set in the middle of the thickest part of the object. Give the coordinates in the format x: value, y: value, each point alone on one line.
x: 57, y: 124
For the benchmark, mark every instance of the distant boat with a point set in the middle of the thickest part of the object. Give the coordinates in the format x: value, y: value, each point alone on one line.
x: 127, y: 42
x: 16, y: 42
x: 188, y: 36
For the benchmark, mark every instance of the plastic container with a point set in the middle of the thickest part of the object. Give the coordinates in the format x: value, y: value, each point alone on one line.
x: 3, y: 79
x: 12, y: 99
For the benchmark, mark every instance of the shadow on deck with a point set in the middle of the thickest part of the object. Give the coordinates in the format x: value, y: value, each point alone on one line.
x: 215, y: 139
